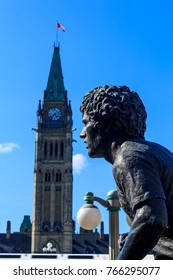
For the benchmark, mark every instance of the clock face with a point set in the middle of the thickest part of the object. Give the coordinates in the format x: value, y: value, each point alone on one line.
x: 54, y: 114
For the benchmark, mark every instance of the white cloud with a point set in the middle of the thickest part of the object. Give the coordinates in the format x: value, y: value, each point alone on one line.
x: 79, y: 163
x: 8, y: 147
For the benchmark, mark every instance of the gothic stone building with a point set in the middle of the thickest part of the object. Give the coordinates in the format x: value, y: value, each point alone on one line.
x: 52, y: 211
x: 53, y: 181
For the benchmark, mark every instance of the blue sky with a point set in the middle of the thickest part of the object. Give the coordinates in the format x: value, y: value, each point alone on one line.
x: 117, y: 42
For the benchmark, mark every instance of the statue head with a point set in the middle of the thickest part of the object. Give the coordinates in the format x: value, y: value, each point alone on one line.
x: 115, y: 111
x: 118, y: 106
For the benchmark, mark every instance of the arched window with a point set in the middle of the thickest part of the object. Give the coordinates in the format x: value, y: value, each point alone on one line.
x: 47, y: 188
x: 51, y: 149
x: 57, y: 188
x: 45, y: 149
x: 46, y: 226
x: 56, y: 149
x: 57, y: 226
x: 47, y: 176
x: 58, y: 176
x: 62, y: 150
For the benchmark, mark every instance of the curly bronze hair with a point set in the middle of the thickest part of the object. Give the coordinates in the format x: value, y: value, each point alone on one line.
x: 118, y: 106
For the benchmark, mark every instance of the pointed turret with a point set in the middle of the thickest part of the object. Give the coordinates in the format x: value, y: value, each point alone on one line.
x: 55, y: 90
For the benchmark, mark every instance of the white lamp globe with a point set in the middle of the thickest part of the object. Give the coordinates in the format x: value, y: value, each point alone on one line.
x: 88, y: 216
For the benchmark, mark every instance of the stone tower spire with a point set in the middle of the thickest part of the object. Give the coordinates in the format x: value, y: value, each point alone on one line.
x: 55, y: 86
x: 52, y: 210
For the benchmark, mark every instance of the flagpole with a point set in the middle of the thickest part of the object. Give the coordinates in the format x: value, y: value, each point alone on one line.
x: 56, y: 43
x: 58, y: 25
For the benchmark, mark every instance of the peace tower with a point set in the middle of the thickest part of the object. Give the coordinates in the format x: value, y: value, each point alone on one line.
x: 53, y: 180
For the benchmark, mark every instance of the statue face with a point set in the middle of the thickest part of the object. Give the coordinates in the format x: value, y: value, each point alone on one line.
x: 91, y: 135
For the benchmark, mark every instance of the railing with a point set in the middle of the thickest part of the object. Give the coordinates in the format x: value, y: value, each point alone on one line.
x: 61, y: 256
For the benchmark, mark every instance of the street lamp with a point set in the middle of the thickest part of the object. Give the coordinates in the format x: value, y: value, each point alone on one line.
x: 49, y: 248
x: 89, y: 217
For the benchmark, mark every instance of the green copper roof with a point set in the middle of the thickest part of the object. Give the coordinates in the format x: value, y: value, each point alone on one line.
x: 55, y: 86
x: 26, y: 224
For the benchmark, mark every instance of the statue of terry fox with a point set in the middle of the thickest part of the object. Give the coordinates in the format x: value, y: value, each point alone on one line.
x: 114, y: 120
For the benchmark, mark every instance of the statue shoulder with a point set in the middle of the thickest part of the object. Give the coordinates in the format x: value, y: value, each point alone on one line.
x: 130, y: 152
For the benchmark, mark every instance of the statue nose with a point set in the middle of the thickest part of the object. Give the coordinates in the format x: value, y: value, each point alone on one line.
x: 82, y: 134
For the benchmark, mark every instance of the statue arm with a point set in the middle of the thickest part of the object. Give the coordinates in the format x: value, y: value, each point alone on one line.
x: 147, y: 227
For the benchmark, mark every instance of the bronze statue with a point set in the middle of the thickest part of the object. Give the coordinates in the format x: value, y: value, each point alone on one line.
x: 114, y: 126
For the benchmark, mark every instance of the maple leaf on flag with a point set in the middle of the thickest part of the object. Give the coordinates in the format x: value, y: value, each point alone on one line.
x: 60, y: 26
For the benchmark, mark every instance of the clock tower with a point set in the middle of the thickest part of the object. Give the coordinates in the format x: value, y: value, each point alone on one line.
x: 52, y: 209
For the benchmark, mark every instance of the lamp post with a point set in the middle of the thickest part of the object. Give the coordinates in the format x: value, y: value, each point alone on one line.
x: 49, y: 248
x: 89, y: 217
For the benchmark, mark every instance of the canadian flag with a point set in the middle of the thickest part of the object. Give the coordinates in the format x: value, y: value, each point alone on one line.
x: 60, y: 26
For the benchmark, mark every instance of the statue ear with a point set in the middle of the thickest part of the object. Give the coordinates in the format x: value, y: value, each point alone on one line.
x: 108, y: 126
x: 104, y: 126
